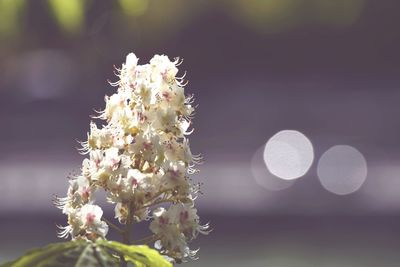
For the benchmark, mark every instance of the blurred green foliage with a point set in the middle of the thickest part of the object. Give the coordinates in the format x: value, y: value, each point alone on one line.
x: 134, y: 7
x: 10, y: 12
x: 68, y: 13
x: 161, y: 17
x: 269, y: 16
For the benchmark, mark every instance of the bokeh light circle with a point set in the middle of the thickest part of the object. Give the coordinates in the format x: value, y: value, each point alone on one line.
x: 288, y: 154
x: 342, y: 170
x: 263, y: 177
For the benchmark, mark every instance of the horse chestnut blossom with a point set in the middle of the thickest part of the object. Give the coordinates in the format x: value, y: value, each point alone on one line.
x: 141, y: 157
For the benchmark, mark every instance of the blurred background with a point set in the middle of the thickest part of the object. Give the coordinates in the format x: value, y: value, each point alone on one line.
x: 297, y: 119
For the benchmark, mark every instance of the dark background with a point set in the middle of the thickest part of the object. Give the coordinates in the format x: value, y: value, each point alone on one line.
x: 328, y: 69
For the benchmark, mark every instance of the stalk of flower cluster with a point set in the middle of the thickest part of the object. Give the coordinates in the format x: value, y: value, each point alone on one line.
x: 141, y: 157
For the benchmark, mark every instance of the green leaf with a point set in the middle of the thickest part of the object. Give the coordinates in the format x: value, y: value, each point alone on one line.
x: 89, y: 254
x: 140, y: 256
x: 67, y: 254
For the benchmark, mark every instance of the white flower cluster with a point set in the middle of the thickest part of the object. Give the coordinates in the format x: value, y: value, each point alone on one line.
x: 141, y: 158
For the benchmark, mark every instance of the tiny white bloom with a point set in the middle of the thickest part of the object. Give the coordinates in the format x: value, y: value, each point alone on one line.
x: 90, y: 216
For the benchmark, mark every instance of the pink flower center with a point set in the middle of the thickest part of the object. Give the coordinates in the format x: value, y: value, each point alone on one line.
x: 86, y: 193
x: 90, y: 218
x: 167, y: 96
x: 174, y: 173
x: 147, y: 145
x: 114, y: 164
x: 141, y: 116
x: 164, y: 220
x: 184, y: 216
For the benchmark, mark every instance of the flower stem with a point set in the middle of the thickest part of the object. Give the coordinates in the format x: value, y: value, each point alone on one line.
x: 119, y: 230
x: 157, y: 203
x: 146, y: 240
x: 127, y: 231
